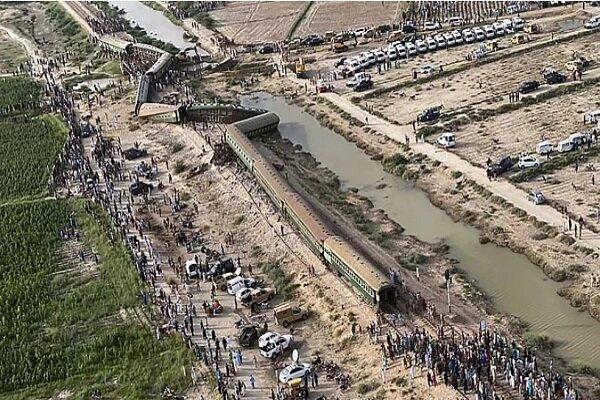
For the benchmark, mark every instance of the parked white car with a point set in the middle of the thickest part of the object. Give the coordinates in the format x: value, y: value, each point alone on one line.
x: 449, y: 39
x: 243, y: 294
x: 518, y: 23
x: 447, y: 140
x: 458, y: 39
x: 564, y: 146
x: 528, y: 161
x: 431, y: 45
x: 431, y: 26
x: 267, y: 338
x: 479, y: 33
x: 427, y: 69
x: 593, y: 22
x: 411, y: 48
x: 468, y: 35
x: 456, y: 21
x: 238, y: 283
x: 490, y: 32
x: 293, y: 371
x: 192, y: 268
x: 401, y: 51
x: 421, y: 46
x: 498, y: 28
x: 276, y: 346
x: 440, y: 41
x: 544, y: 147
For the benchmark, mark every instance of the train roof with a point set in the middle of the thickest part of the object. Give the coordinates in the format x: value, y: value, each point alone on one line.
x: 149, y: 109
x: 148, y: 47
x: 256, y: 122
x: 143, y: 86
x: 209, y: 106
x: 162, y: 61
x: 306, y: 214
x: 244, y: 142
x: 115, y: 42
x: 367, y: 271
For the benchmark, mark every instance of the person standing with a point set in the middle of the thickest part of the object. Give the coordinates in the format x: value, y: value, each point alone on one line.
x: 252, y: 381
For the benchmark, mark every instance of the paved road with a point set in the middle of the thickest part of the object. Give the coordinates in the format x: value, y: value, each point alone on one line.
x: 500, y: 188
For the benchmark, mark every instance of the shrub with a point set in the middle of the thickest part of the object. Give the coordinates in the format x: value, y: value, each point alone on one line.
x: 542, y: 342
x: 366, y: 387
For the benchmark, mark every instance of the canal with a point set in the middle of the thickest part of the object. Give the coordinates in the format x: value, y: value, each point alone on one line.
x: 154, y: 22
x: 515, y: 285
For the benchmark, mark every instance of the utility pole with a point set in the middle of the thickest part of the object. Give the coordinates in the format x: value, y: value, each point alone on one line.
x: 448, y: 291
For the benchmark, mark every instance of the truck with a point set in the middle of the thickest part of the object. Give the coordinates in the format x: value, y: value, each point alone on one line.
x: 288, y: 313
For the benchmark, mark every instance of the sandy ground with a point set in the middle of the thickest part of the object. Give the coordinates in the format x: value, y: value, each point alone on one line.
x: 485, y: 86
x: 519, y: 131
x: 12, y: 54
x: 221, y: 194
x: 343, y: 16
x: 251, y: 22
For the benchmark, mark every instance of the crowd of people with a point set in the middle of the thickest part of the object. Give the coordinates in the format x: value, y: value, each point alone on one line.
x: 477, y: 364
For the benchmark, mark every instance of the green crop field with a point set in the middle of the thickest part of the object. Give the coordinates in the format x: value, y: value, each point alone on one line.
x: 27, y: 153
x: 18, y: 93
x: 66, y: 327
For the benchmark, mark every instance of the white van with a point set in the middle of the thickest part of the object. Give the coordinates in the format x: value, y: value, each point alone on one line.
x: 591, y: 117
x: 544, y: 147
x: 490, y: 32
x: 421, y: 46
x: 579, y: 139
x: 440, y: 41
x: 192, y: 268
x: 479, y: 34
x: 447, y: 140
x: 564, y: 146
x: 431, y: 45
x: 468, y: 35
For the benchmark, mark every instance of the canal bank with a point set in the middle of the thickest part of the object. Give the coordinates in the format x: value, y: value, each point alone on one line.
x: 514, y: 284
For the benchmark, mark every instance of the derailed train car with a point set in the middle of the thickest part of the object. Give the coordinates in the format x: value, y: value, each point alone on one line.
x: 368, y: 281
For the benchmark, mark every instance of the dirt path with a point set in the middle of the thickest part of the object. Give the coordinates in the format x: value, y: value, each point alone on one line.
x: 500, y: 188
x: 31, y: 49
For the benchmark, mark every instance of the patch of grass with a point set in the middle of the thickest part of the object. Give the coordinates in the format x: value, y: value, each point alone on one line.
x: 282, y: 281
x: 579, y: 367
x: 541, y: 342
x: 70, y: 31
x: 176, y: 147
x: 366, y: 387
x: 179, y: 166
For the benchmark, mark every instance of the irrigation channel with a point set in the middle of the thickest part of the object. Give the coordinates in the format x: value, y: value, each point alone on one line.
x: 154, y: 22
x: 515, y: 285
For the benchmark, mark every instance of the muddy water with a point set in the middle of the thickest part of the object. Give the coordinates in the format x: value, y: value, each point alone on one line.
x: 154, y: 22
x: 515, y: 285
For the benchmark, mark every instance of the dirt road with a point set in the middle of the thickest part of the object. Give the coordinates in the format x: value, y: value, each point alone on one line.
x: 500, y: 188
x: 31, y: 49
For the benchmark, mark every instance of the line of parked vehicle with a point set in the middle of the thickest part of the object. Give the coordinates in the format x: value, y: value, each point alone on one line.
x: 406, y: 49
